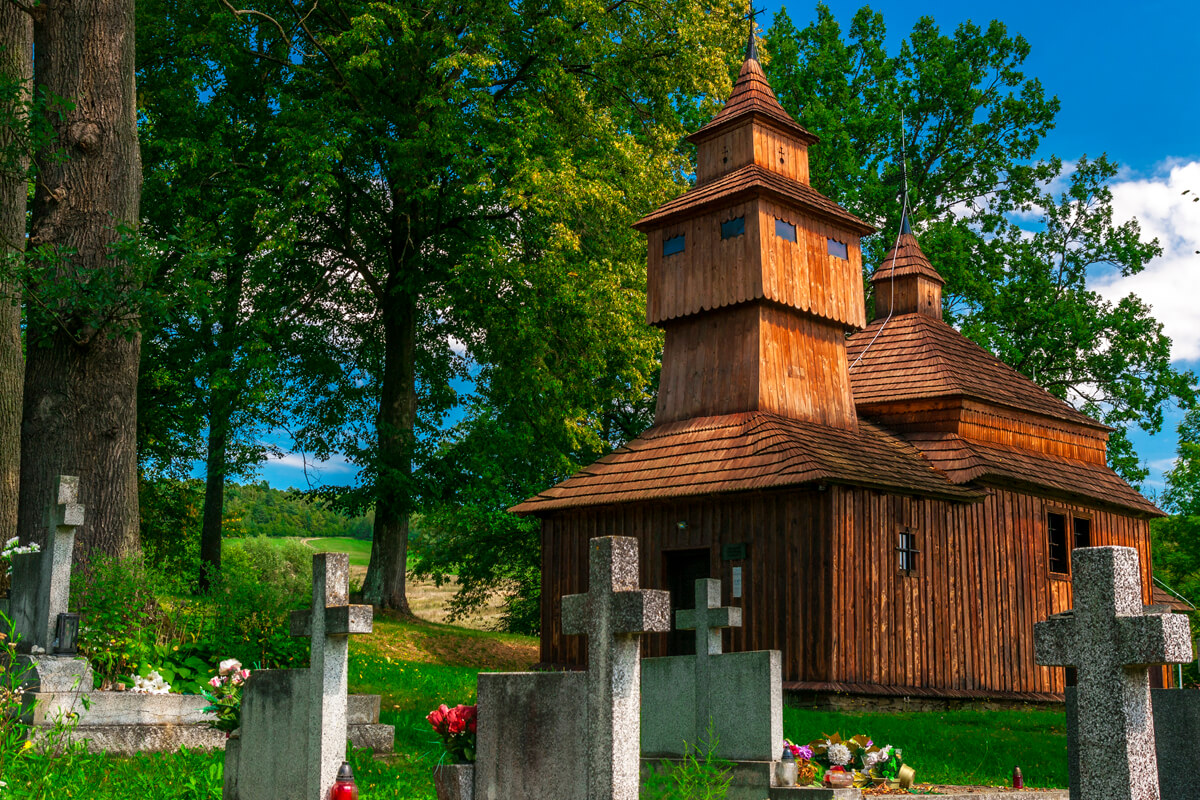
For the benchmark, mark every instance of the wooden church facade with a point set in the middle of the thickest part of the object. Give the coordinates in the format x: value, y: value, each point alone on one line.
x: 892, y: 507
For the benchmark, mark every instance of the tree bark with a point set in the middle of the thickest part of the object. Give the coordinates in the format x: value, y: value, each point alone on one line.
x: 395, y: 428
x: 80, y: 401
x: 16, y: 66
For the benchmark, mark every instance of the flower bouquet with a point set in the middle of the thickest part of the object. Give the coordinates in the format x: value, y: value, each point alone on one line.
x: 456, y: 727
x: 879, y: 765
x: 224, y: 696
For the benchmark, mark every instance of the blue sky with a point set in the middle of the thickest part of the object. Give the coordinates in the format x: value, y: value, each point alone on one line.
x: 1128, y: 77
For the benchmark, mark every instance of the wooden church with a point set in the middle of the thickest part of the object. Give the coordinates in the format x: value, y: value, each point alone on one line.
x: 892, y: 507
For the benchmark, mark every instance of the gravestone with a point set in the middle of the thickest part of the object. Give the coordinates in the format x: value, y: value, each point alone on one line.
x: 40, y: 591
x: 1111, y: 641
x: 293, y: 729
x: 536, y: 730
x: 739, y: 694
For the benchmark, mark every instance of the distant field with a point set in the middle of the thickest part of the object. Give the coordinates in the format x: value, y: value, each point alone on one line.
x: 359, y: 550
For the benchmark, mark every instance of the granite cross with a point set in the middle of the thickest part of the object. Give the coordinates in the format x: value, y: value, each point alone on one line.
x: 42, y: 581
x: 329, y: 624
x: 612, y: 615
x: 706, y: 619
x: 1111, y: 641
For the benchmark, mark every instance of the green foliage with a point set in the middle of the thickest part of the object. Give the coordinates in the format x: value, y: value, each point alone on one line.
x: 1015, y: 248
x: 255, y: 509
x: 700, y: 775
x: 76, y: 774
x: 170, y: 510
x: 131, y: 624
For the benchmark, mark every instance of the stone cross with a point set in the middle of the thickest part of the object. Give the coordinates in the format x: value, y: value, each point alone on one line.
x: 612, y: 615
x: 329, y: 624
x: 42, y: 581
x: 706, y: 619
x: 1111, y: 642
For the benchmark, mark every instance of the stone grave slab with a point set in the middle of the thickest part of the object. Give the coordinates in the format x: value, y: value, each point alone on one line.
x: 294, y: 722
x: 1111, y: 641
x: 740, y: 693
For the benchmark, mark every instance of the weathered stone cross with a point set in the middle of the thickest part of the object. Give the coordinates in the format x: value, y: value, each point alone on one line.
x: 329, y: 623
x: 707, y: 619
x: 42, y: 581
x: 612, y: 615
x: 1111, y: 641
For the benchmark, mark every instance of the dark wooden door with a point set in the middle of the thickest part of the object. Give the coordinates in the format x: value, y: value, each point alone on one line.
x: 683, y: 568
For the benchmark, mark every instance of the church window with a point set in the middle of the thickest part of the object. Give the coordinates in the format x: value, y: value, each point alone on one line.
x: 785, y: 230
x: 907, y: 551
x: 733, y: 227
x: 1083, y: 532
x: 673, y: 245
x: 1060, y: 549
x: 838, y: 249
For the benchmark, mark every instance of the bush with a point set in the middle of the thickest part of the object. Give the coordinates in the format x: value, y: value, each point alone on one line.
x: 260, y: 584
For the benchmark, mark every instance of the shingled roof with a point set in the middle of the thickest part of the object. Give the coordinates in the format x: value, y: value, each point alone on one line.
x: 906, y: 258
x: 752, y: 95
x: 963, y: 461
x: 915, y: 357
x: 744, y: 182
x: 742, y: 452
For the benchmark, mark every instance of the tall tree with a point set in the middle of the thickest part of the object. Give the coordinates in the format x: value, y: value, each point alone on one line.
x: 81, y: 369
x: 16, y: 74
x: 953, y: 122
x: 432, y: 140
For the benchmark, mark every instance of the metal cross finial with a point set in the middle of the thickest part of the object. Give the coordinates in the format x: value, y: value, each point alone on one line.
x: 752, y: 45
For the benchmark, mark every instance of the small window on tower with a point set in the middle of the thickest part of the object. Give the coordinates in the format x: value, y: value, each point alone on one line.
x: 907, y: 551
x: 733, y: 227
x: 673, y: 245
x: 1060, y: 550
x: 838, y: 249
x: 785, y: 230
x: 1083, y: 532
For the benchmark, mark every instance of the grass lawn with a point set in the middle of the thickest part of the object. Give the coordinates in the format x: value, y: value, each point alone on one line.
x: 416, y: 665
x: 359, y: 549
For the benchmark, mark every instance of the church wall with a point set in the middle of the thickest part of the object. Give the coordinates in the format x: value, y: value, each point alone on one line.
x: 821, y: 583
x: 964, y: 619
x: 785, y: 575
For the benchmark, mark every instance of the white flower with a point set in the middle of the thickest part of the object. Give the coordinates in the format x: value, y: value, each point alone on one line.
x: 151, y: 684
x: 229, y: 665
x: 838, y: 754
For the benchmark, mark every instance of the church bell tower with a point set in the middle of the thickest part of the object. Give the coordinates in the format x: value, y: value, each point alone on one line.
x: 754, y: 276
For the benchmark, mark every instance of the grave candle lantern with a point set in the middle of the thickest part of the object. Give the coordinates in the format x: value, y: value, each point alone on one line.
x: 785, y: 770
x: 344, y: 788
x: 66, y: 634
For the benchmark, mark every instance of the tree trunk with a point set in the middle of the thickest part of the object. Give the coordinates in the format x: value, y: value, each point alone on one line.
x: 395, y: 428
x: 222, y: 400
x: 81, y: 368
x: 16, y: 66
x: 214, y: 506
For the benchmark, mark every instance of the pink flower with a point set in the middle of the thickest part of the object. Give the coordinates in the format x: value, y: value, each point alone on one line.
x: 215, y: 682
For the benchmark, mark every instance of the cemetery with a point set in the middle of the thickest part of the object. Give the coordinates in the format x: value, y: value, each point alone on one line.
x: 742, y: 397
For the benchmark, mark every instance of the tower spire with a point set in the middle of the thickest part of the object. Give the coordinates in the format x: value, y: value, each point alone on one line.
x: 752, y: 45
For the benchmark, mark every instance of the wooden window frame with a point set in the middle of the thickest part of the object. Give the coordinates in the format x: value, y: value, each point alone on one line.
x: 907, y: 555
x: 795, y: 231
x: 1070, y: 517
x: 842, y: 248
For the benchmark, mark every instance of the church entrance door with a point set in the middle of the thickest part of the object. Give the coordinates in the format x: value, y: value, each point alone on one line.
x: 683, y: 568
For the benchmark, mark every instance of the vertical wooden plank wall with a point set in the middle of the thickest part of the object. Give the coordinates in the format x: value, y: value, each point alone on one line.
x: 786, y: 582
x: 964, y: 620
x: 822, y: 583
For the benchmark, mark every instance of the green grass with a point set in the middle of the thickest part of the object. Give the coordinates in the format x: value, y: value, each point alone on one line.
x: 415, y: 666
x: 359, y: 549
x: 955, y: 747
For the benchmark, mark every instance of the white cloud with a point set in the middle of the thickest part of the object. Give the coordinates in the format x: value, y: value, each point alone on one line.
x: 302, y: 462
x: 1170, y: 282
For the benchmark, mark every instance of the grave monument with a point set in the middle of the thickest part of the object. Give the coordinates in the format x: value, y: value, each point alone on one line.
x: 293, y: 729
x: 551, y: 736
x: 1112, y: 641
x: 40, y: 593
